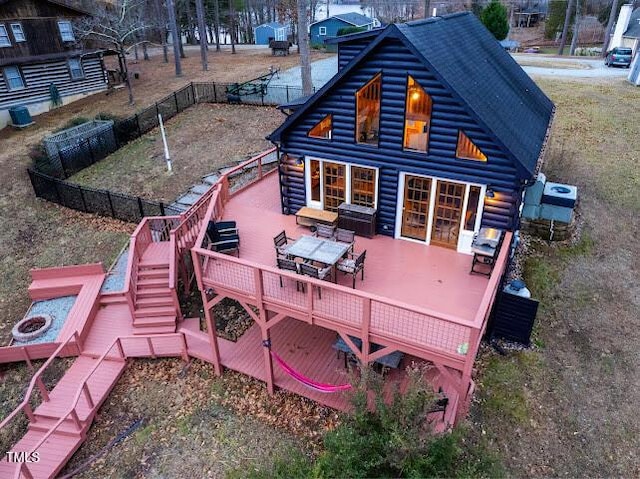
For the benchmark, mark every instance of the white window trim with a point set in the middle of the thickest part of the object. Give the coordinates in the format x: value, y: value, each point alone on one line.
x: 322, y: 31
x: 73, y: 37
x: 13, y: 30
x: 5, y: 34
x: 6, y: 78
x: 463, y: 234
x: 319, y: 205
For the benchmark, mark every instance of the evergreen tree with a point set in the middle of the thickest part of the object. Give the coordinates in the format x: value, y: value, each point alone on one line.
x: 495, y: 18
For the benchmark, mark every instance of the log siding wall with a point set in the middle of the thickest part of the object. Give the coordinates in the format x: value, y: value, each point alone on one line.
x: 39, y: 76
x: 395, y: 62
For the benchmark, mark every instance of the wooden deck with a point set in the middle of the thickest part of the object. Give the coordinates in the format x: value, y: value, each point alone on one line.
x: 439, y: 277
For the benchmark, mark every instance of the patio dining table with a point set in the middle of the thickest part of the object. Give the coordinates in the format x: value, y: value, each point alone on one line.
x: 316, y: 249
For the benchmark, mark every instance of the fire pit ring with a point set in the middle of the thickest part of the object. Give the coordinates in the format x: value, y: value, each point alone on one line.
x: 31, y: 327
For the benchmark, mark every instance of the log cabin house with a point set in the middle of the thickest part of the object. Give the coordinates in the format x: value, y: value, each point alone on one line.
x: 37, y: 49
x: 432, y: 124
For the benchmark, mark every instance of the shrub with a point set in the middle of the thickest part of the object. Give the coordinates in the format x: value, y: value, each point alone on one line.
x: 350, y: 30
x: 494, y: 17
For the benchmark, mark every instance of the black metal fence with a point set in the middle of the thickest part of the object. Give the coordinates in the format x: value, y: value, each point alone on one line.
x: 74, y: 158
x: 90, y: 200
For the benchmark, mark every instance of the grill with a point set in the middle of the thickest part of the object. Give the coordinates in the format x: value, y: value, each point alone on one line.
x: 360, y: 219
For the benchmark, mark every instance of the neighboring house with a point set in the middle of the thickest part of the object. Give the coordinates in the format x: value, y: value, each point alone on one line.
x: 274, y: 30
x: 441, y: 122
x: 627, y: 29
x: 329, y: 27
x: 38, y: 48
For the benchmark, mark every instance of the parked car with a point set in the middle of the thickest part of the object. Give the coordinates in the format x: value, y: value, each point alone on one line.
x: 532, y: 50
x: 618, y: 57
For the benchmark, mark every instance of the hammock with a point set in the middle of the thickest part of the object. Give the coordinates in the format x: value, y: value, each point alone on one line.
x: 310, y: 383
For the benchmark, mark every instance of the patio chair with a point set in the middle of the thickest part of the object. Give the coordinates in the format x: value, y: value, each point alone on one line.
x: 226, y: 227
x: 317, y: 273
x: 352, y: 265
x: 289, y: 265
x: 346, y: 236
x: 324, y: 231
x: 281, y: 241
x: 227, y: 243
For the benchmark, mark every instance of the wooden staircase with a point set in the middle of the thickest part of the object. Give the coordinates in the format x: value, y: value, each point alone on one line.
x: 155, y: 310
x: 57, y: 427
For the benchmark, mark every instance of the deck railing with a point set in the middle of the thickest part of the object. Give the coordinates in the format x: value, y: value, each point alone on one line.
x: 414, y: 329
x: 36, y: 381
x: 117, y: 350
x: 151, y: 229
x: 210, y: 205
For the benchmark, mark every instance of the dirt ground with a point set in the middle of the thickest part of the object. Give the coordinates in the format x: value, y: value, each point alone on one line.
x: 569, y: 407
x: 201, y: 139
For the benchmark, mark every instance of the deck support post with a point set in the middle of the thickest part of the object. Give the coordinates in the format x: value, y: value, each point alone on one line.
x: 268, y: 363
x: 211, y: 331
x: 366, y: 321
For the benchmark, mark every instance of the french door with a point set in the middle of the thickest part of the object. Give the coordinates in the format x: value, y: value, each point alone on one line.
x: 415, y: 210
x: 335, y: 185
x: 447, y: 213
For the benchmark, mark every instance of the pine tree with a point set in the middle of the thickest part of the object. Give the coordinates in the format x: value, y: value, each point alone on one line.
x: 495, y: 18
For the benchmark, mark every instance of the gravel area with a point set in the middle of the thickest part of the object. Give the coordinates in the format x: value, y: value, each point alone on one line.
x: 58, y: 309
x: 115, y: 279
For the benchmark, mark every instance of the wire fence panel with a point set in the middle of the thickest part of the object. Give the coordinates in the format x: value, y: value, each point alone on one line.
x: 98, y: 202
x: 126, y: 130
x: 147, y: 120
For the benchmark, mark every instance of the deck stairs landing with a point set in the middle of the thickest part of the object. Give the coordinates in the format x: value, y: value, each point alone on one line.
x: 154, y: 307
x: 61, y: 443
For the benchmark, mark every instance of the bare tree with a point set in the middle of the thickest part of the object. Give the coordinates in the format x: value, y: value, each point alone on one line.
x: 565, y: 28
x: 161, y: 25
x: 216, y: 22
x: 303, y: 44
x: 202, y: 33
x: 576, y: 27
x: 607, y: 33
x: 118, y: 26
x: 177, y: 40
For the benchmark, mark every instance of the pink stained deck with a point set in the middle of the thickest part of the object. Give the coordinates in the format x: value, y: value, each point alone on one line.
x: 306, y: 348
x: 426, y: 276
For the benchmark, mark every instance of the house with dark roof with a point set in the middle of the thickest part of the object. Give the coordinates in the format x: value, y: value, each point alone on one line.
x: 431, y: 123
x: 322, y: 30
x: 627, y: 29
x: 38, y: 49
x: 271, y: 31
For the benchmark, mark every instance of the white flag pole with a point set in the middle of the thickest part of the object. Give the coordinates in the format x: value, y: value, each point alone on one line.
x: 164, y: 141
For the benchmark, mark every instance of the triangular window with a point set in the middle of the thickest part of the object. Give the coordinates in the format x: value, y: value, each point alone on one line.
x: 322, y: 129
x: 467, y: 150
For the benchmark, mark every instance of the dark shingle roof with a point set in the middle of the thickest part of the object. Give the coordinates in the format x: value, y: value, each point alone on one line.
x: 467, y: 58
x: 634, y: 25
x: 498, y: 91
x: 353, y: 18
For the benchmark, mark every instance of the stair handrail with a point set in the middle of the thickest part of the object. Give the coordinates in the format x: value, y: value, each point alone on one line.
x: 85, y: 389
x: 36, y: 380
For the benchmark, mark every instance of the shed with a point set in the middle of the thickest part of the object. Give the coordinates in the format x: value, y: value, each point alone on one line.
x: 272, y: 30
x: 321, y: 30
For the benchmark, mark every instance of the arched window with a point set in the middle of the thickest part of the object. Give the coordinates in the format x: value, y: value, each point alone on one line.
x: 467, y: 150
x: 368, y: 112
x: 322, y: 129
x: 417, y: 117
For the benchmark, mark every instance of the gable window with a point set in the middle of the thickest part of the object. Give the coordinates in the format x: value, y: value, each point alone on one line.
x: 322, y: 129
x: 417, y: 117
x: 18, y: 33
x: 368, y: 111
x: 75, y: 68
x: 4, y: 37
x: 13, y: 78
x: 467, y: 150
x: 363, y: 186
x: 322, y: 31
x: 66, y: 32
